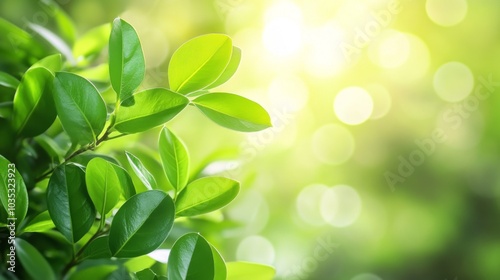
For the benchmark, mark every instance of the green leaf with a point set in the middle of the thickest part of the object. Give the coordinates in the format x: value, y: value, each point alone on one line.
x: 8, y: 81
x: 55, y: 41
x: 175, y: 159
x: 146, y: 274
x: 103, y: 185
x: 191, y: 258
x: 80, y: 107
x: 34, y: 109
x: 199, y: 62
x: 127, y: 186
x: 141, y: 171
x: 92, y: 42
x: 33, y: 262
x: 139, y: 263
x: 64, y: 24
x: 97, y: 249
x: 126, y: 61
x: 101, y: 269
x: 249, y: 271
x: 12, y: 182
x: 220, y: 271
x: 18, y: 42
x: 205, y: 195
x: 53, y: 63
x: 42, y: 222
x: 141, y: 224
x: 233, y: 111
x: 147, y: 109
x: 69, y: 203
x: 230, y: 69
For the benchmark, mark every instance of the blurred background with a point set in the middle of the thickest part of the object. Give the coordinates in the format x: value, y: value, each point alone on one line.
x: 383, y: 159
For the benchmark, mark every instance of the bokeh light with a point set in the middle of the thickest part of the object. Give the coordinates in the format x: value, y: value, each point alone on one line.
x: 333, y: 144
x: 341, y: 206
x: 353, y: 105
x: 453, y: 81
x: 256, y: 249
x: 446, y: 12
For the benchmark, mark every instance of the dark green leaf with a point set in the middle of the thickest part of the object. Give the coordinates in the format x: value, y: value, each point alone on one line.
x: 191, y: 258
x: 174, y: 158
x: 126, y: 61
x: 233, y: 111
x: 34, y: 109
x: 249, y: 271
x: 146, y: 274
x: 230, y: 69
x: 11, y: 182
x: 92, y: 42
x: 33, y: 262
x: 69, y: 203
x: 97, y: 249
x: 141, y: 224
x: 126, y: 183
x: 100, y: 269
x: 80, y: 107
x: 147, y: 109
x: 205, y: 195
x: 141, y: 171
x: 199, y: 62
x: 42, y: 222
x: 6, y: 80
x: 103, y: 185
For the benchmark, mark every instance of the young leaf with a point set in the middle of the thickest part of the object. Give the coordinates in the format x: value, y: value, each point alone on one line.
x: 8, y: 81
x: 80, y: 107
x: 34, y: 109
x: 103, y: 185
x: 17, y: 41
x: 12, y: 180
x: 141, y: 224
x: 128, y: 189
x: 53, y: 63
x: 147, y: 109
x: 230, y: 69
x: 33, y: 262
x: 126, y: 61
x: 249, y: 271
x: 92, y: 42
x: 205, y: 195
x: 42, y: 222
x: 233, y: 111
x: 220, y: 271
x: 174, y: 158
x: 191, y: 258
x: 199, y: 62
x: 97, y: 249
x: 141, y: 171
x: 69, y: 203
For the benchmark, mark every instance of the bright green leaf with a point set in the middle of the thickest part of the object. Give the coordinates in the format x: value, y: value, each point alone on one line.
x: 249, y: 271
x: 69, y: 203
x: 80, y: 107
x: 230, y: 69
x: 18, y: 42
x: 99, y: 73
x: 53, y: 63
x: 199, y: 62
x: 126, y: 183
x: 34, y: 109
x: 6, y: 80
x: 33, y: 261
x: 12, y: 182
x: 141, y: 224
x: 141, y: 171
x: 139, y: 263
x: 205, y: 195
x: 220, y: 271
x: 191, y: 258
x: 42, y: 222
x: 175, y: 159
x: 101, y: 269
x: 66, y: 27
x: 92, y: 42
x: 233, y: 111
x: 103, y: 185
x: 126, y: 61
x: 147, y: 109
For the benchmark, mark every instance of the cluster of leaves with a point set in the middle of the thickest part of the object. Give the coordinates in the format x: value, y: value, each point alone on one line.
x: 80, y: 215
